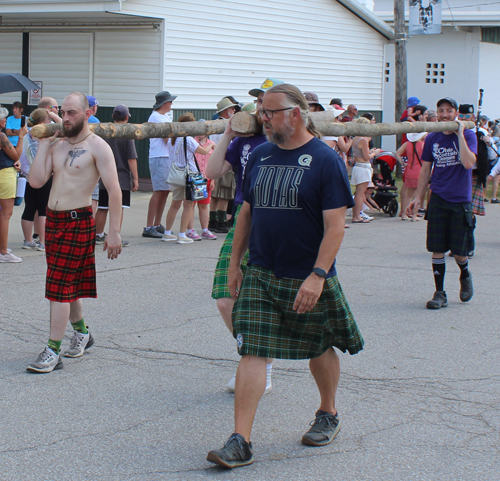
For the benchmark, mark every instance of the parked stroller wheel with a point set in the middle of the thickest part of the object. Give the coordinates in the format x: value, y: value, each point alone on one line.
x: 393, y: 207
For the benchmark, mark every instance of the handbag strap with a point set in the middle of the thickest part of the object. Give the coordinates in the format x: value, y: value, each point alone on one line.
x: 194, y: 157
x: 415, y: 151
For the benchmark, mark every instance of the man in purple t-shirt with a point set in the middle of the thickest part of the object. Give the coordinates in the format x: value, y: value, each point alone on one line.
x: 449, y: 156
x: 233, y: 151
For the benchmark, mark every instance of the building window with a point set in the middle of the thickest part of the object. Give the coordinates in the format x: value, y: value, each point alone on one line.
x: 434, y: 73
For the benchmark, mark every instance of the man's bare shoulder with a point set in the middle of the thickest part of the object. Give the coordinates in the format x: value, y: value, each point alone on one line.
x: 98, y: 145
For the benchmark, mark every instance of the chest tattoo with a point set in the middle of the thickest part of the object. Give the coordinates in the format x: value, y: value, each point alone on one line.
x: 74, y: 154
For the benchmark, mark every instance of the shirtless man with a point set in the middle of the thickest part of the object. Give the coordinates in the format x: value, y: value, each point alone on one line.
x: 77, y: 162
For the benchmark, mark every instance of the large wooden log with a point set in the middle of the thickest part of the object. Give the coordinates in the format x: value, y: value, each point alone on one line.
x: 147, y: 130
x: 245, y: 124
x: 374, y: 130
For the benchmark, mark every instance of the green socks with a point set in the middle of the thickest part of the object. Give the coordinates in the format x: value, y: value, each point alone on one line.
x: 54, y: 345
x: 77, y: 326
x: 80, y: 326
x: 221, y: 216
x: 213, y: 216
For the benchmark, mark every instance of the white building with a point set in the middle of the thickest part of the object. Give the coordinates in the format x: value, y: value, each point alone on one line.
x: 457, y: 63
x: 126, y: 51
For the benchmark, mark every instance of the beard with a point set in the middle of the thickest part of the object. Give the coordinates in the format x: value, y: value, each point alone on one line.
x: 280, y: 136
x: 74, y: 130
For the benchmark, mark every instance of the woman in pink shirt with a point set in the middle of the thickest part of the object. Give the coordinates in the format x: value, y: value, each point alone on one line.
x: 412, y: 149
x: 203, y: 205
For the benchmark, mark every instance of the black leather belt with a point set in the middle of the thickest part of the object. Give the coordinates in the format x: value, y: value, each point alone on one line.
x: 77, y: 215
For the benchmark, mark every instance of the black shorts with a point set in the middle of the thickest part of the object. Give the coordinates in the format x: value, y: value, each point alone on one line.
x: 450, y: 226
x: 36, y: 200
x: 103, y: 202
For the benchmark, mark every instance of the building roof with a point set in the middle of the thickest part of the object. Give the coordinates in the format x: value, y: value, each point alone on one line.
x: 483, y: 13
x: 372, y: 19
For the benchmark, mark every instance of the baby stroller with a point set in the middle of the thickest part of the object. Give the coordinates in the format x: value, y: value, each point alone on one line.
x: 386, y: 192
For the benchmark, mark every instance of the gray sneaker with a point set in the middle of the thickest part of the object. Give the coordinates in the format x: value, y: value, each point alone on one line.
x: 466, y: 289
x: 161, y: 229
x: 323, y: 429
x: 151, y: 232
x: 79, y: 343
x: 125, y: 243
x: 29, y: 245
x: 99, y: 240
x: 236, y: 452
x: 438, y: 301
x: 47, y: 361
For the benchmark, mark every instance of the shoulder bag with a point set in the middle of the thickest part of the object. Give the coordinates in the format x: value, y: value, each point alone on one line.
x: 196, y: 183
x: 177, y: 175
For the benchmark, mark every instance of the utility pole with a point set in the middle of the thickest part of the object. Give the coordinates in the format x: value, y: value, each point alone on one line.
x: 401, y: 66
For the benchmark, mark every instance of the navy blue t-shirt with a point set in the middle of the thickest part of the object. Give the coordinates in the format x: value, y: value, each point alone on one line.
x: 288, y: 190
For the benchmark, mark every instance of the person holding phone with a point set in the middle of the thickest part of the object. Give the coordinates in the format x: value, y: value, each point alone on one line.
x: 14, y: 123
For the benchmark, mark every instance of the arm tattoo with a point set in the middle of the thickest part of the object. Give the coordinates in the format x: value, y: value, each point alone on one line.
x: 4, y: 142
x: 74, y: 154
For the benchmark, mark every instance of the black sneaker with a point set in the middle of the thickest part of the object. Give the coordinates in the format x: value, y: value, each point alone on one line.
x: 236, y: 452
x: 160, y: 229
x: 439, y: 300
x: 221, y: 228
x: 466, y: 289
x: 212, y: 225
x: 323, y: 429
x: 495, y: 201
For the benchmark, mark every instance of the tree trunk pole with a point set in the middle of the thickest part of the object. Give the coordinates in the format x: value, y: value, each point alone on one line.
x: 246, y: 124
x: 401, y: 82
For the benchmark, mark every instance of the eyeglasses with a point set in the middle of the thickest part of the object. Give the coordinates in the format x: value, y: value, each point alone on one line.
x: 269, y: 113
x: 465, y: 116
x: 54, y: 107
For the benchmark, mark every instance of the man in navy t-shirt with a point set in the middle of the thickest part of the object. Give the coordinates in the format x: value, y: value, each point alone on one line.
x: 449, y: 157
x: 290, y: 304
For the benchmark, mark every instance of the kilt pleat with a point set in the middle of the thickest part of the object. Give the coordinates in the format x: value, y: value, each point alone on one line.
x: 69, y: 247
x: 265, y: 324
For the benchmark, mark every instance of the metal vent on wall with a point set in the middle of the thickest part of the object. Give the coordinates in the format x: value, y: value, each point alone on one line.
x: 434, y: 73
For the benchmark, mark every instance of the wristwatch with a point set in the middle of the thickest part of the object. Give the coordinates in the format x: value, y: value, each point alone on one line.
x: 320, y: 272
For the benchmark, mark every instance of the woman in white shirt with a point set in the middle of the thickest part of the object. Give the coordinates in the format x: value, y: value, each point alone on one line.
x: 178, y: 153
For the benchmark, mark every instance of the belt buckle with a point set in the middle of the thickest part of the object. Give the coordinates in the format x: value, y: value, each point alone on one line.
x: 74, y: 214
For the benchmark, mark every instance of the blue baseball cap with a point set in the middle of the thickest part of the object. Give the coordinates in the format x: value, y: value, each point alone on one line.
x: 266, y: 85
x: 92, y: 101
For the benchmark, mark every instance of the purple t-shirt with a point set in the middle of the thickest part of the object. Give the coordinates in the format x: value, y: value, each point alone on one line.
x: 237, y: 155
x: 450, y: 179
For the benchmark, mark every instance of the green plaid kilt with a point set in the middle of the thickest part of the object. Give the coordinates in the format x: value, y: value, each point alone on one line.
x: 265, y: 324
x: 220, y: 288
x: 450, y: 226
x: 477, y: 196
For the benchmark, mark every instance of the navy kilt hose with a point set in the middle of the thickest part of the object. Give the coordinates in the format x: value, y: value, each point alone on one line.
x: 265, y: 324
x: 69, y: 247
x: 450, y: 226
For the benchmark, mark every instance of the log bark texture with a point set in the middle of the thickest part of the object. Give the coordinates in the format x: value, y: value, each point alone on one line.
x: 245, y: 124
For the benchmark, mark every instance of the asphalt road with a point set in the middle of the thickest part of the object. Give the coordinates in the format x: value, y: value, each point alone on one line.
x: 148, y: 401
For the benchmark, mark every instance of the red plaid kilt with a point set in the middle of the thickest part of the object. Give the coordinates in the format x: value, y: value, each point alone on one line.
x: 69, y: 247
